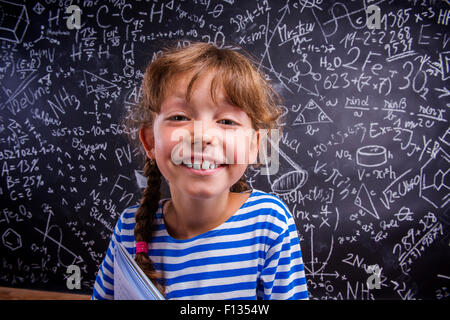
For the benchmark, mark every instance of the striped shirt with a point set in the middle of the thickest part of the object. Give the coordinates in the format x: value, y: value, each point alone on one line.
x: 255, y: 254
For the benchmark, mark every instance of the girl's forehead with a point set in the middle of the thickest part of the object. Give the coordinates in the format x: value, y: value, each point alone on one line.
x: 183, y: 85
x: 192, y: 78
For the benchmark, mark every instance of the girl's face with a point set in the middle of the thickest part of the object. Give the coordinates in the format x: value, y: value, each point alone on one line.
x: 201, y: 147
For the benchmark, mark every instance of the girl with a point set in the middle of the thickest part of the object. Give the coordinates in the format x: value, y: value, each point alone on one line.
x: 214, y: 238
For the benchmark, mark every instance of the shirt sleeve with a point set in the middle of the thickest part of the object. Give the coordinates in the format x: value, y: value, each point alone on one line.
x: 104, y: 282
x: 283, y: 274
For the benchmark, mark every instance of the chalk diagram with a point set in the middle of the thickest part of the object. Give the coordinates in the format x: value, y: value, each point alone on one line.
x: 96, y: 84
x: 435, y: 180
x: 101, y: 88
x: 371, y: 156
x: 315, y: 265
x: 14, y: 21
x: 289, y: 181
x: 57, y: 240
x: 312, y: 113
x: 11, y: 239
x: 38, y: 8
x: 303, y: 68
x: 363, y: 200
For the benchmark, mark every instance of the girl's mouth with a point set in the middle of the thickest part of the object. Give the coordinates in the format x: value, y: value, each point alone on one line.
x: 204, y: 168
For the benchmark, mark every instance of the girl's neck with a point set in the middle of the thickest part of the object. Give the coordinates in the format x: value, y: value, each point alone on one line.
x: 186, y: 218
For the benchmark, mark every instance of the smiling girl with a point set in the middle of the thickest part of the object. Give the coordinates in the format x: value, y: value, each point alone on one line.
x: 215, y: 237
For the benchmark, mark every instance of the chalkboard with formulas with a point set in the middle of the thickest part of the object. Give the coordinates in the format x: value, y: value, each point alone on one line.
x: 364, y: 153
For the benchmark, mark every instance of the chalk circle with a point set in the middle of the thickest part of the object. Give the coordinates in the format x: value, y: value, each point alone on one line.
x: 290, y: 181
x: 302, y: 65
x: 371, y: 156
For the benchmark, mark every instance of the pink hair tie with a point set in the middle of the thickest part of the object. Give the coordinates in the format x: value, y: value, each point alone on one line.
x: 141, y: 246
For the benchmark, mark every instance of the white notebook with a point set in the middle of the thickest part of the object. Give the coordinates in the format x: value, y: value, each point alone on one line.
x: 130, y: 282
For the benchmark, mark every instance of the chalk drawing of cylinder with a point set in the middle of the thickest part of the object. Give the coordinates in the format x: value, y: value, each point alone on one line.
x: 371, y: 156
x: 290, y: 181
x: 13, y: 21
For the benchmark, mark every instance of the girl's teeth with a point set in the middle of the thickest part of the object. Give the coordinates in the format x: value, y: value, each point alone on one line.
x: 205, y: 165
x: 202, y: 166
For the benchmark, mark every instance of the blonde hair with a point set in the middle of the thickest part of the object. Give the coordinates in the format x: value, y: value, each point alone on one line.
x: 243, y: 85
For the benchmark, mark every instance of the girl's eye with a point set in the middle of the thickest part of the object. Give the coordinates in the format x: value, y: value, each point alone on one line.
x: 228, y: 122
x: 178, y: 118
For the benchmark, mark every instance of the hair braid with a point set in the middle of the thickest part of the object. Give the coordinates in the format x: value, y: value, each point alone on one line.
x: 145, y: 219
x: 240, y: 186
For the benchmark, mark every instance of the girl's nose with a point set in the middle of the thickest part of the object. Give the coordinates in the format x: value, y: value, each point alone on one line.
x: 205, y: 139
x: 205, y: 134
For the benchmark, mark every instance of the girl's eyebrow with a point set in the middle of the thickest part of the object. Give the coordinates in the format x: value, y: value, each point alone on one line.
x: 178, y: 99
x: 175, y: 97
x: 180, y: 94
x: 177, y: 94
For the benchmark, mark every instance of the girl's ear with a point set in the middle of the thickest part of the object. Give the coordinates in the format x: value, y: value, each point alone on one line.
x: 148, y: 141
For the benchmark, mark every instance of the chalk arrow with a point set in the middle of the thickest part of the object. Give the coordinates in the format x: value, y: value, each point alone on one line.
x: 444, y: 90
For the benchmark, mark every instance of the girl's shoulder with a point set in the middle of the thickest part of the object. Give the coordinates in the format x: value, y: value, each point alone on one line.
x: 128, y: 215
x: 271, y: 205
x: 127, y: 219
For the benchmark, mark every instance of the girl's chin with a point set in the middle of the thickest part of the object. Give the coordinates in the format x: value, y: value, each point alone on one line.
x: 201, y: 191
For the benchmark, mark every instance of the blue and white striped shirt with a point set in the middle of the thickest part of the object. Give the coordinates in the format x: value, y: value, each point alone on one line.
x: 255, y: 254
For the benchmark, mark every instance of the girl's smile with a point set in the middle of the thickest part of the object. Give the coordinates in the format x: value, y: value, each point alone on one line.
x: 203, y: 172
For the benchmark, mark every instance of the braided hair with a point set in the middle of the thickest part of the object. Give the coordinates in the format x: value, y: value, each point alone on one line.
x: 145, y: 220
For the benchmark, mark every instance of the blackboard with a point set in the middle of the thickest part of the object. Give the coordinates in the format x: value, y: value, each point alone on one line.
x: 364, y: 153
